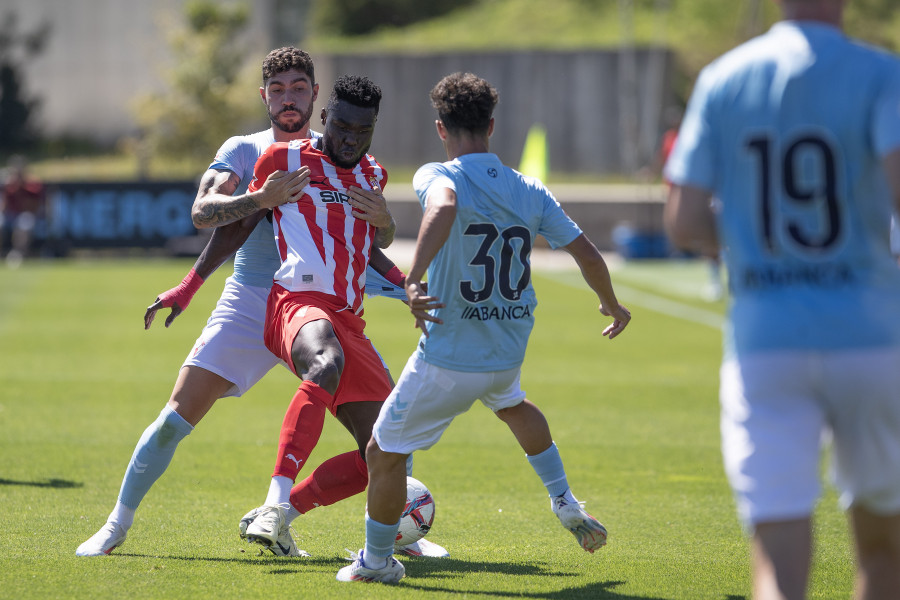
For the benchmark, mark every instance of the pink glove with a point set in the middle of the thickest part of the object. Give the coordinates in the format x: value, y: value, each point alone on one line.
x: 396, y: 276
x: 183, y: 292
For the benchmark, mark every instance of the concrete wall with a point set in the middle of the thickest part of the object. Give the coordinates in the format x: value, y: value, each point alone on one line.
x: 599, y: 210
x: 576, y: 95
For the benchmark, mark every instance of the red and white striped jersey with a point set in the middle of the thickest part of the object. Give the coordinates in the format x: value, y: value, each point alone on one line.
x: 323, y: 247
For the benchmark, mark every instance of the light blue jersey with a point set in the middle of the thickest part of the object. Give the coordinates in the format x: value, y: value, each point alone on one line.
x: 788, y: 131
x: 482, y: 273
x: 257, y: 259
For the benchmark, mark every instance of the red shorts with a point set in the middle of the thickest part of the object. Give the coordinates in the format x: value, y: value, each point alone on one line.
x: 364, y: 378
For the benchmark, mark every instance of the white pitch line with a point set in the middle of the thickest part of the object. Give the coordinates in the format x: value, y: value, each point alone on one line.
x: 671, y: 308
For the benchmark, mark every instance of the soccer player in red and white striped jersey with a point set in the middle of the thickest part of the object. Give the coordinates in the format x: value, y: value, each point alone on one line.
x: 323, y: 246
x: 313, y: 317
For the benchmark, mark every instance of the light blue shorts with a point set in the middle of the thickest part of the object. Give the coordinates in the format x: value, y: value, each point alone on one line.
x: 231, y: 345
x: 427, y: 398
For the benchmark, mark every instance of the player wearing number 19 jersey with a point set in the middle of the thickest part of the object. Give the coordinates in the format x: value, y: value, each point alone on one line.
x: 796, y: 134
x: 805, y: 208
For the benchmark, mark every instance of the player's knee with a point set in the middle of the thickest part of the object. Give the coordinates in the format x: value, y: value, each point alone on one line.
x: 383, y: 464
x: 510, y: 412
x: 373, y: 452
x: 325, y: 371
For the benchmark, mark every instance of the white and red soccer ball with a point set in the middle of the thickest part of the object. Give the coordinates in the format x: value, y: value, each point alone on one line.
x: 418, y: 514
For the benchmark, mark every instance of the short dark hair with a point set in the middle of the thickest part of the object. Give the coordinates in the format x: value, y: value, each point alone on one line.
x: 287, y: 58
x: 357, y: 90
x: 464, y: 102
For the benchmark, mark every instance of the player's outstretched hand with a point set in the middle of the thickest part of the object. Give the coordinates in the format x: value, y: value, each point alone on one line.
x: 177, y: 298
x: 621, y: 316
x: 419, y: 305
x: 370, y: 206
x: 282, y: 187
x: 151, y: 313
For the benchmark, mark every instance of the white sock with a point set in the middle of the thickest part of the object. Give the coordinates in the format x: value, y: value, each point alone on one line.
x: 279, y: 491
x: 291, y: 514
x: 122, y: 515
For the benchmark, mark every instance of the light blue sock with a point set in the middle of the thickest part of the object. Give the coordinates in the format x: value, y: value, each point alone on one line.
x: 549, y: 467
x: 409, y: 464
x: 152, y: 455
x: 379, y: 542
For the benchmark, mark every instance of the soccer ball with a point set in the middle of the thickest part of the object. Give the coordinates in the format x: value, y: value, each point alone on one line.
x: 418, y: 514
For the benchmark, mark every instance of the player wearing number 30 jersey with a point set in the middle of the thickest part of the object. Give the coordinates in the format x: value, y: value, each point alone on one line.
x: 489, y: 299
x: 479, y: 224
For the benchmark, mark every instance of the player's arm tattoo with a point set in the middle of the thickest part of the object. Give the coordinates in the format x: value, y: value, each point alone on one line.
x: 215, y: 206
x: 384, y: 236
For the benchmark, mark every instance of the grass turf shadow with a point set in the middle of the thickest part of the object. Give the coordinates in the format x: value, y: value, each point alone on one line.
x: 422, y: 571
x: 46, y: 483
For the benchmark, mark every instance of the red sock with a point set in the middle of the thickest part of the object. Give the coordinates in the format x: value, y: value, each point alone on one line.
x: 301, y: 429
x: 337, y: 478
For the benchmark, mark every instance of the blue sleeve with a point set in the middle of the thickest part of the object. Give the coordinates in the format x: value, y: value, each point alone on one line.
x: 377, y: 285
x: 692, y: 161
x: 556, y: 226
x: 429, y: 175
x: 233, y: 156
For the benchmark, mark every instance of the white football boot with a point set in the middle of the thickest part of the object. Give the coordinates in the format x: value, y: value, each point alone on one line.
x: 284, y: 545
x: 358, y: 571
x: 266, y: 526
x: 591, y: 535
x: 110, y: 537
x: 423, y: 548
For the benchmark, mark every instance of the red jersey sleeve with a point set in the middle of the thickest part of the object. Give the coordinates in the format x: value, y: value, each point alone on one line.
x: 375, y: 172
x: 273, y: 159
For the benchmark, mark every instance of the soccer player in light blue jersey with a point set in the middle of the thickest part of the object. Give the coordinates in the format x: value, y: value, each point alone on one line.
x: 480, y: 222
x: 230, y: 356
x: 788, y: 160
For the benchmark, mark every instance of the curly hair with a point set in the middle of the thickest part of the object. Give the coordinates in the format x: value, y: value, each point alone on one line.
x: 358, y: 91
x: 287, y: 58
x: 464, y: 102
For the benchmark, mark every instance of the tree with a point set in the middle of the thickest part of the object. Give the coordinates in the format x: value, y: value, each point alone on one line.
x: 17, y: 109
x: 208, y: 87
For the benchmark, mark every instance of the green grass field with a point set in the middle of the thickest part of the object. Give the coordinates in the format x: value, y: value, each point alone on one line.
x: 636, y: 420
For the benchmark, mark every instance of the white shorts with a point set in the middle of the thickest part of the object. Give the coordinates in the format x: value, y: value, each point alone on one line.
x: 780, y: 408
x: 231, y: 345
x: 427, y: 398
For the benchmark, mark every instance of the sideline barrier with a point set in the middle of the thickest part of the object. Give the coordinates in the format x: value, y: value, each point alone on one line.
x: 157, y: 215
x: 119, y: 215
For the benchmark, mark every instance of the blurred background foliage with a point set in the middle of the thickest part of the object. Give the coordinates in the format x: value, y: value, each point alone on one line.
x: 207, y: 87
x: 17, y: 107
x: 698, y: 30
